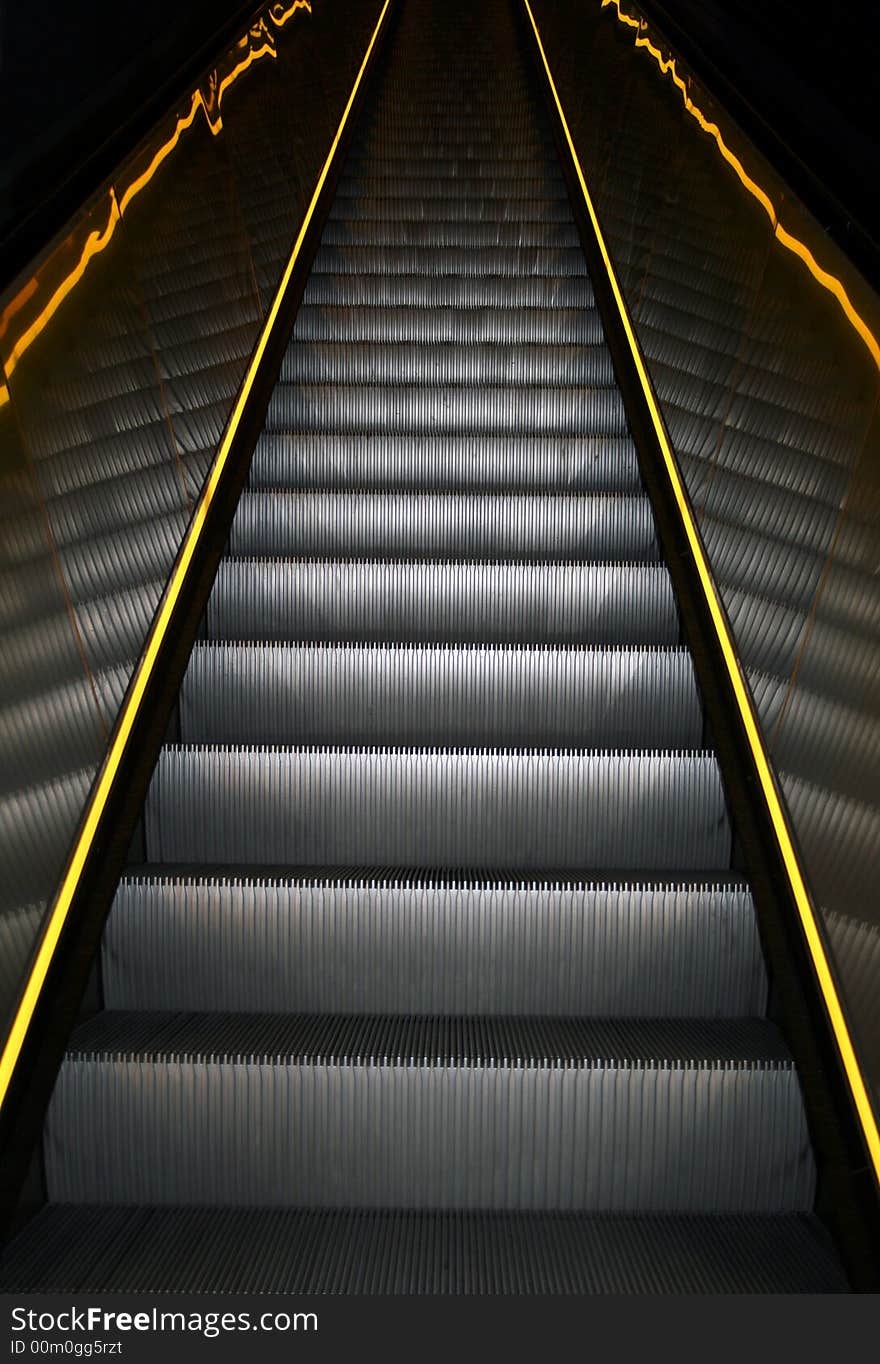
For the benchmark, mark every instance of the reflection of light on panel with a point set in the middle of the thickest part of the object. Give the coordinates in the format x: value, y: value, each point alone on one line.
x: 134, y: 698
x: 159, y: 156
x: 96, y: 241
x: 785, y: 238
x: 725, y: 642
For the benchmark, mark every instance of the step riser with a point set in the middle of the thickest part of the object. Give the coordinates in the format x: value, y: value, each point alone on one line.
x: 438, y: 365
x: 461, y: 263
x: 441, y: 603
x: 418, y: 291
x: 271, y: 947
x: 448, y: 326
x: 423, y: 697
x: 448, y: 526
x: 358, y: 410
x: 609, y: 1139
x: 417, y: 809
x: 426, y: 463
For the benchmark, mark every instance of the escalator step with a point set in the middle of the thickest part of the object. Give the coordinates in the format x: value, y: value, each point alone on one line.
x: 500, y: 188
x: 393, y: 232
x: 278, y: 524
x: 533, y: 463
x: 474, y: 696
x: 460, y: 263
x: 459, y: 410
x: 439, y: 808
x: 374, y: 206
x: 433, y: 947
x: 447, y: 364
x: 446, y: 291
x: 310, y: 1251
x: 461, y: 326
x: 427, y: 1112
x: 445, y: 602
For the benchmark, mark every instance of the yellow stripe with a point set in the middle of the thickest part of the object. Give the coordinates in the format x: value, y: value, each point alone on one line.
x: 768, y: 788
x: 67, y: 890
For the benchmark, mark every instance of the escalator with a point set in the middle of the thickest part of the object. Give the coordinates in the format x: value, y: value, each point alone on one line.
x: 434, y: 972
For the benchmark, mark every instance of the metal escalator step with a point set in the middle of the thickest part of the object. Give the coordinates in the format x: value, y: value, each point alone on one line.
x: 463, y: 326
x: 411, y: 695
x: 540, y: 463
x: 484, y: 1112
x: 396, y: 161
x: 442, y: 603
x: 449, y: 291
x: 477, y: 262
x: 459, y: 410
x: 466, y: 209
x: 306, y: 1251
x: 281, y: 524
x: 394, y: 946
x: 488, y: 188
x: 397, y: 232
x: 563, y: 366
x: 363, y: 807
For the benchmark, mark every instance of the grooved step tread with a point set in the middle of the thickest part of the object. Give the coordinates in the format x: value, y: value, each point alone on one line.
x: 456, y: 1041
x: 190, y: 1250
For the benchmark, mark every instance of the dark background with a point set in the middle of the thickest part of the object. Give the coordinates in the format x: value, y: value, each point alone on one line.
x: 803, y: 80
x: 82, y: 80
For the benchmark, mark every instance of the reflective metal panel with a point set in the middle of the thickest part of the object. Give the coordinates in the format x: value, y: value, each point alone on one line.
x: 122, y: 350
x: 761, y: 344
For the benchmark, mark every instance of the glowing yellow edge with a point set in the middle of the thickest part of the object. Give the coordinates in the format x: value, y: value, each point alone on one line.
x: 805, y: 909
x: 64, y: 898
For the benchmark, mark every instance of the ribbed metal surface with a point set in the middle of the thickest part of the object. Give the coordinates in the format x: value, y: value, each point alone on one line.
x: 417, y: 807
x: 449, y: 525
x: 440, y: 639
x: 92, y: 1249
x: 429, y: 1113
x: 452, y: 326
x: 443, y: 602
x: 394, y: 694
x: 478, y: 262
x: 431, y: 947
x: 426, y: 291
x: 462, y: 410
x: 541, y: 463
x: 447, y: 363
x: 770, y: 400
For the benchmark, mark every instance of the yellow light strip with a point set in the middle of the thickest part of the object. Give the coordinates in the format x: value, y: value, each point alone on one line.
x: 64, y: 898
x: 785, y: 238
x: 768, y: 788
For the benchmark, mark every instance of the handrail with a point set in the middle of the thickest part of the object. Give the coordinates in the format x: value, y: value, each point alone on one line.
x: 102, y: 791
x: 768, y: 789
